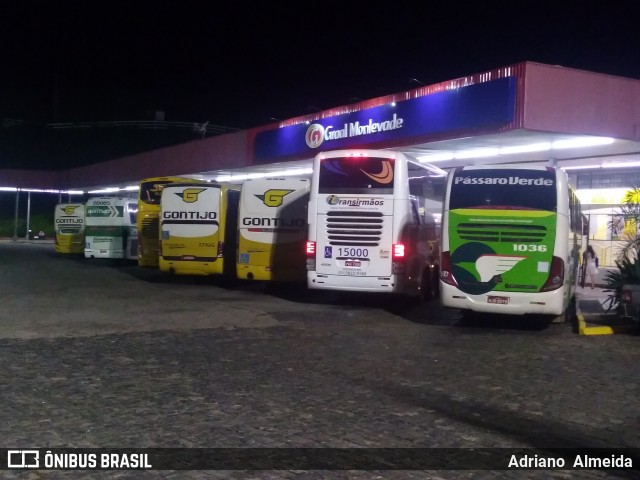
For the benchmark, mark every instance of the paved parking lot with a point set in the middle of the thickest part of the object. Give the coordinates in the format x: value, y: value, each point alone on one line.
x: 102, y: 355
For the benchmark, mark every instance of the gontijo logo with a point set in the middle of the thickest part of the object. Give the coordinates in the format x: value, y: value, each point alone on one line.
x: 190, y: 195
x: 273, y: 197
x: 69, y: 209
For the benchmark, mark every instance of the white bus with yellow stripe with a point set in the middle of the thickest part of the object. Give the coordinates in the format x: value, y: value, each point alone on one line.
x: 69, y: 228
x: 272, y: 229
x: 198, y: 228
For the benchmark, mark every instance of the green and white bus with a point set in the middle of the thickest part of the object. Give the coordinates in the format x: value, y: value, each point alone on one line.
x: 110, y: 228
x: 511, y: 239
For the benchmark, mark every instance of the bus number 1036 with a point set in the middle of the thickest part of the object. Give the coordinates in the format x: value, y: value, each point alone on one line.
x: 523, y: 247
x: 353, y: 252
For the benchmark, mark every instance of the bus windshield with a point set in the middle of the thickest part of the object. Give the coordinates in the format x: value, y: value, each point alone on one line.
x: 151, y: 192
x: 356, y: 175
x: 504, y: 189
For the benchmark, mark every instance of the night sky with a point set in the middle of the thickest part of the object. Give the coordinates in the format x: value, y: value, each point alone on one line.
x: 244, y: 64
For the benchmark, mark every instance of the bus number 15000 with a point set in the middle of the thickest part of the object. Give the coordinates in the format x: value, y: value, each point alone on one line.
x: 353, y: 252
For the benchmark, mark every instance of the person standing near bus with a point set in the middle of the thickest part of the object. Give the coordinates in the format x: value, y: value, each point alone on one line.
x: 590, y: 260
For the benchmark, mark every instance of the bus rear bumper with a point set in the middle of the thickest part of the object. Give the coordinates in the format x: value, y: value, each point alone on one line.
x: 97, y: 253
x: 352, y: 283
x: 190, y: 267
x: 508, y: 303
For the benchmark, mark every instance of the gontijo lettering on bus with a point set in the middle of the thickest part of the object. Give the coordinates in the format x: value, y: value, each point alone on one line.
x: 175, y: 215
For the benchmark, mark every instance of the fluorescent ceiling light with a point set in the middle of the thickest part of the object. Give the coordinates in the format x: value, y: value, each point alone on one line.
x: 578, y: 142
x: 39, y: 190
x: 436, y: 157
x: 580, y: 167
x: 132, y: 188
x: 476, y: 153
x: 280, y: 173
x: 105, y: 190
x: 8, y: 189
x: 581, y: 142
x: 620, y: 164
x: 532, y: 147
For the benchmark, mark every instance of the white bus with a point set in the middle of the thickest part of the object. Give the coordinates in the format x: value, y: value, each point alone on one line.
x: 69, y: 228
x: 110, y: 228
x: 373, y: 223
x: 272, y: 229
x: 511, y: 240
x: 198, y: 228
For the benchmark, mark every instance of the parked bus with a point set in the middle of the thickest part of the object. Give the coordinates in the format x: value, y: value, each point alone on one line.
x: 69, y: 228
x: 374, y: 223
x: 110, y: 230
x: 198, y: 223
x: 272, y: 229
x: 148, y: 213
x: 511, y: 240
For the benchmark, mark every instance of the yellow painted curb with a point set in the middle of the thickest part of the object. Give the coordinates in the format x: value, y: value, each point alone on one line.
x: 601, y: 330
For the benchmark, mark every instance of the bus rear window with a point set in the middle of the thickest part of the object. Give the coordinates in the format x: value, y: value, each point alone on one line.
x: 504, y: 189
x: 356, y: 175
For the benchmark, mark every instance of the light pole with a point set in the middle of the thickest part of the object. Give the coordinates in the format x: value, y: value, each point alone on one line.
x: 26, y: 236
x: 15, y: 220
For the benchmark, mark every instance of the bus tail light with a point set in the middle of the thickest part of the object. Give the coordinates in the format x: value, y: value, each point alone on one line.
x: 220, y: 249
x: 446, y: 274
x: 397, y: 258
x: 398, y: 251
x: 556, y: 275
x: 310, y: 250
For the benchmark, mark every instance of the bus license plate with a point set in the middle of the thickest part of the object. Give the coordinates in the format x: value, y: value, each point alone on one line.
x: 498, y: 300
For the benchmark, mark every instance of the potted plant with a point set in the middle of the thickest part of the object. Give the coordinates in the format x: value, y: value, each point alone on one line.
x: 623, y: 284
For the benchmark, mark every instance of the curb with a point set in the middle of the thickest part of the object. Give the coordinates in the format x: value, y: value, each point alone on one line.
x: 583, y: 329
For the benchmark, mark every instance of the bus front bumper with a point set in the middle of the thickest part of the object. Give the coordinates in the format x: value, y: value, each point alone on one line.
x: 508, y: 303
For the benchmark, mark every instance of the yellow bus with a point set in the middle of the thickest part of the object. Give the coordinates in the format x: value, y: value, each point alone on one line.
x: 148, y: 217
x: 199, y: 228
x: 272, y: 225
x: 69, y: 221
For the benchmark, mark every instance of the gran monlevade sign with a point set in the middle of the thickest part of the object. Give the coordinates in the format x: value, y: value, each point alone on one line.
x: 482, y: 105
